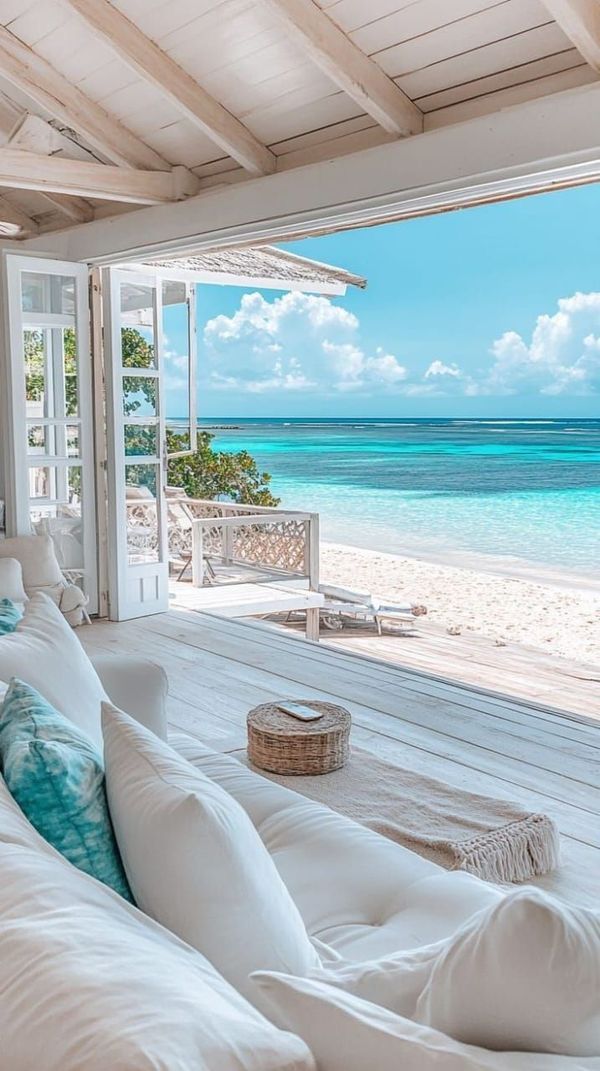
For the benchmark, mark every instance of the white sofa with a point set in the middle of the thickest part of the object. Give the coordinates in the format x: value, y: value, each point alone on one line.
x: 360, y: 894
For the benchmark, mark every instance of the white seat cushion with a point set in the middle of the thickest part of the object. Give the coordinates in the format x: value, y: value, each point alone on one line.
x: 194, y: 860
x: 44, y: 652
x: 346, y: 1033
x: 357, y: 891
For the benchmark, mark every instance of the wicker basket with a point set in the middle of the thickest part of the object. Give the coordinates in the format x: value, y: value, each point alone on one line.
x: 282, y: 744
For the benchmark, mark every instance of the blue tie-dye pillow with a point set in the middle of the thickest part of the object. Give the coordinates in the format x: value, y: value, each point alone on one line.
x: 10, y: 615
x: 56, y: 775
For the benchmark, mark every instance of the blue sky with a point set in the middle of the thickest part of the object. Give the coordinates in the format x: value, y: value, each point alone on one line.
x: 493, y: 311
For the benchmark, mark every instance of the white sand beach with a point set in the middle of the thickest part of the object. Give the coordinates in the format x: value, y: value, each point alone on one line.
x: 555, y: 617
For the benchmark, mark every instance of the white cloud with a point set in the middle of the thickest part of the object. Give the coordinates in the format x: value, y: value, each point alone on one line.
x: 438, y: 368
x: 354, y: 370
x: 297, y: 342
x: 305, y: 342
x: 258, y: 318
x: 562, y: 356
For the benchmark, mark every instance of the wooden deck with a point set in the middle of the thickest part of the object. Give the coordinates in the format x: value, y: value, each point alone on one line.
x: 543, y: 759
x: 523, y: 672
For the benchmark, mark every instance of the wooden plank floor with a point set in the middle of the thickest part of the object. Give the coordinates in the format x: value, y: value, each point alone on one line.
x: 544, y: 759
x: 525, y: 672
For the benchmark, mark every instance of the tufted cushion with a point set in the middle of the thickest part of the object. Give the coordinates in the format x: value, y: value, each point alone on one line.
x: 363, y: 895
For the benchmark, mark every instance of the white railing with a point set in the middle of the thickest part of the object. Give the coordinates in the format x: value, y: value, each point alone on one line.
x: 263, y: 539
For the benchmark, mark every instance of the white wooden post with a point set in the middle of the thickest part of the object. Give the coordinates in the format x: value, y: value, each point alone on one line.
x: 312, y: 624
x: 311, y: 551
x: 197, y: 554
x: 228, y: 534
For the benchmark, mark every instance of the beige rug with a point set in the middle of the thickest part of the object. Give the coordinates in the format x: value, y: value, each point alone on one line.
x: 458, y: 830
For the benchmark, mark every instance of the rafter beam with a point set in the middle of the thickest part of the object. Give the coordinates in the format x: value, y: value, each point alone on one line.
x: 33, y: 134
x: 329, y: 47
x: 76, y: 209
x: 580, y: 21
x: 35, y: 77
x: 57, y: 175
x: 17, y: 218
x: 155, y: 66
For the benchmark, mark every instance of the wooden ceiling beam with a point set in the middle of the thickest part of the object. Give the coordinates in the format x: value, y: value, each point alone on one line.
x: 76, y: 209
x: 16, y: 217
x: 33, y: 134
x: 354, y: 72
x: 580, y: 21
x: 155, y: 66
x: 57, y: 175
x: 35, y: 77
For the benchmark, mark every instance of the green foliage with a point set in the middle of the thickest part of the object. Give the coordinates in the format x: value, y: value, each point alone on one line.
x: 137, y: 352
x: 209, y: 472
x: 34, y: 355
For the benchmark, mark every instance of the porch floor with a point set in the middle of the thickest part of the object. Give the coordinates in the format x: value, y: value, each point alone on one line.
x: 541, y: 758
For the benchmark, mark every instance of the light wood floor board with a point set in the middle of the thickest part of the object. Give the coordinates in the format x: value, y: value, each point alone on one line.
x: 485, y: 741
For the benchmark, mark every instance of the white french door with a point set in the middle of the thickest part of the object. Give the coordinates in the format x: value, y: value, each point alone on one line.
x: 49, y: 463
x: 138, y: 565
x: 149, y: 346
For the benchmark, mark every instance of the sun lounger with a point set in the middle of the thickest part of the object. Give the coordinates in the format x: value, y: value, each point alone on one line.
x: 342, y: 604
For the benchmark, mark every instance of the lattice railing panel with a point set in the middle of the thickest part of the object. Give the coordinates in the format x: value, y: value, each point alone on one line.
x: 278, y: 544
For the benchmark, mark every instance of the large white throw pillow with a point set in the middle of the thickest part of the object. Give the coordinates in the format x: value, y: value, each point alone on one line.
x: 44, y: 652
x: 38, y: 561
x: 11, y: 581
x: 525, y: 974
x: 194, y: 860
x: 88, y: 982
x: 346, y: 1033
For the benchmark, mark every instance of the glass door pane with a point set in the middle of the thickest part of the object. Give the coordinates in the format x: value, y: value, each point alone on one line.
x: 179, y: 365
x: 51, y: 429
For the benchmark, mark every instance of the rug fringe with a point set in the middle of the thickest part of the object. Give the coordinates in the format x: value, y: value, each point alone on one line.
x: 514, y: 853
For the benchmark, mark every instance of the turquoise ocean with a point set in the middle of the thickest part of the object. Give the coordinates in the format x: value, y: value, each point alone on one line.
x: 516, y: 496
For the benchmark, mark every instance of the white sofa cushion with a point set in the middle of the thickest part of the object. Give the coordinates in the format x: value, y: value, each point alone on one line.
x: 358, y: 892
x: 88, y: 982
x: 194, y: 860
x: 395, y: 982
x: 346, y: 1033
x: 523, y: 975
x: 45, y: 653
x: 11, y: 581
x: 38, y: 562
